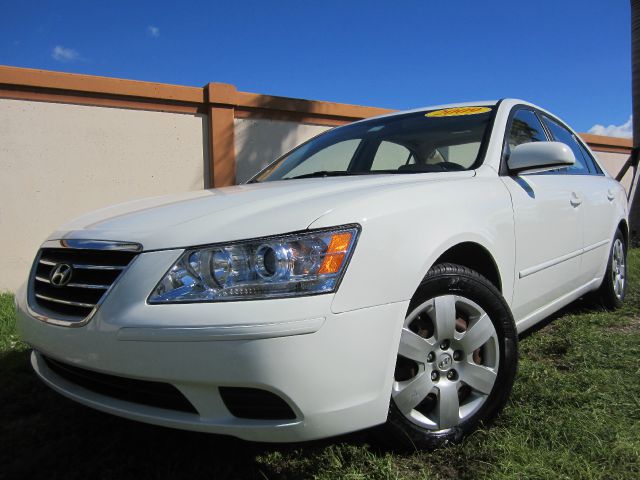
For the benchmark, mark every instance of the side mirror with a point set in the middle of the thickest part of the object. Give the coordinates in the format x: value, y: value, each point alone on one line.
x: 540, y: 156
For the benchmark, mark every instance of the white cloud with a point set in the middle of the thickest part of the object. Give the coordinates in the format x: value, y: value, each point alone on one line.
x: 153, y: 31
x: 625, y: 130
x: 63, y: 54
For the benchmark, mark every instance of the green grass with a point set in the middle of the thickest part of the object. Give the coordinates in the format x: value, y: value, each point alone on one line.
x: 574, y: 413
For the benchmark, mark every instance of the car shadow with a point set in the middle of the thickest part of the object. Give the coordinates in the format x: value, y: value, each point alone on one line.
x: 584, y: 304
x: 45, y: 435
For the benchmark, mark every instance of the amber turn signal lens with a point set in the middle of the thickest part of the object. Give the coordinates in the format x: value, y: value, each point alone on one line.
x: 336, y: 252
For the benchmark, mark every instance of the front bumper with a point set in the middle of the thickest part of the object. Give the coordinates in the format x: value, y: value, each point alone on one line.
x: 334, y: 370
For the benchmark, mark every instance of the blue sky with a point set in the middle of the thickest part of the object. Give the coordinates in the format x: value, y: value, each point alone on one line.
x: 571, y: 57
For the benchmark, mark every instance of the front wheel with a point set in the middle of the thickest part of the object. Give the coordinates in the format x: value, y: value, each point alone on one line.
x: 456, y: 362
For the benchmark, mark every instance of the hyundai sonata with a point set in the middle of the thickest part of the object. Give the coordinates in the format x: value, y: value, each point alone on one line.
x: 378, y: 274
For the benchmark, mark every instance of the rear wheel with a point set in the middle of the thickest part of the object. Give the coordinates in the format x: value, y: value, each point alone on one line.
x: 456, y: 361
x: 614, y: 285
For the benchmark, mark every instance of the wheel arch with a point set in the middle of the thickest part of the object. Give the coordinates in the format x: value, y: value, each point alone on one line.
x: 624, y: 228
x: 475, y: 256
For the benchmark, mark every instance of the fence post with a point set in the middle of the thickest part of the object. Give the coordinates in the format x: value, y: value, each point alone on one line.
x: 221, y: 100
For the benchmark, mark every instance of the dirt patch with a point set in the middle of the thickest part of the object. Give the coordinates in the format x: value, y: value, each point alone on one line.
x: 632, y: 325
x: 549, y: 329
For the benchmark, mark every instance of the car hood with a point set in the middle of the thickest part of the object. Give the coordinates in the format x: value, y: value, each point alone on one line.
x: 233, y: 213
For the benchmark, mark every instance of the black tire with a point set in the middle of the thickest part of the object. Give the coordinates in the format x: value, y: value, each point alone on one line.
x: 606, y: 293
x: 401, y: 433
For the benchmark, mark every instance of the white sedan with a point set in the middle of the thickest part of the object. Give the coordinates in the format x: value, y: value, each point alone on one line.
x: 377, y: 275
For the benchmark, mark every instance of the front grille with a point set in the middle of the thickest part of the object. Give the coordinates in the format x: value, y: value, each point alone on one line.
x: 80, y: 288
x: 145, y: 392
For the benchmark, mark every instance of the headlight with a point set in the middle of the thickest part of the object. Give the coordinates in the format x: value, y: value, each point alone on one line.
x: 283, y: 266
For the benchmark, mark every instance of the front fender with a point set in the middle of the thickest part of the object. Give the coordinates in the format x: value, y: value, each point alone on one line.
x: 405, y: 230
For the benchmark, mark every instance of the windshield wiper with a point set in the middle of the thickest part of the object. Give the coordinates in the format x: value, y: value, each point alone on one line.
x: 342, y: 173
x: 327, y: 173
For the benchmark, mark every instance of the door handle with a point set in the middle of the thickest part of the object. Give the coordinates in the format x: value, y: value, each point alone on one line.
x: 610, y: 195
x: 575, y: 199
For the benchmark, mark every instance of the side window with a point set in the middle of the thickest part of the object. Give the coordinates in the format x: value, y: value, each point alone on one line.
x: 593, y: 166
x: 561, y: 134
x: 335, y: 157
x: 525, y: 128
x: 390, y: 156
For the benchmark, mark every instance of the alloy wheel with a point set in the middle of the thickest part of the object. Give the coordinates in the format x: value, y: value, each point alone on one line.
x: 618, y: 268
x: 447, y: 362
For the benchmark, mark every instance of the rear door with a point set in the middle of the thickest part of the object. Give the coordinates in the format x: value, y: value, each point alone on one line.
x: 548, y: 218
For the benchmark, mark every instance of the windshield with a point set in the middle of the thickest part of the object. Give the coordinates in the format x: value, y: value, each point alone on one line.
x: 446, y: 140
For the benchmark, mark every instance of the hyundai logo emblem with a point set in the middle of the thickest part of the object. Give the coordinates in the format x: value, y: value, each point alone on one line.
x: 445, y: 361
x: 60, y: 275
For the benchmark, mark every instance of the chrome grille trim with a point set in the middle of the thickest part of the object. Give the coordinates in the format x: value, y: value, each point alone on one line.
x: 76, y: 285
x: 64, y: 302
x: 75, y: 303
x: 81, y: 244
x: 84, y: 266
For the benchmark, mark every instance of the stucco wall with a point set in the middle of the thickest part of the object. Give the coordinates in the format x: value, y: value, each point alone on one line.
x: 613, y: 162
x: 260, y: 141
x: 59, y: 160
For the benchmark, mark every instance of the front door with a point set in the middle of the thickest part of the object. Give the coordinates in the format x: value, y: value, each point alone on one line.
x: 548, y: 218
